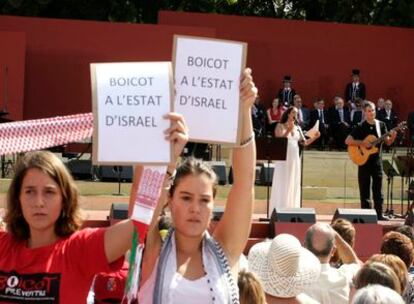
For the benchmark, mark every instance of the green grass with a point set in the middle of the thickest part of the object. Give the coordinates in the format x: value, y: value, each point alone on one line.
x: 90, y: 188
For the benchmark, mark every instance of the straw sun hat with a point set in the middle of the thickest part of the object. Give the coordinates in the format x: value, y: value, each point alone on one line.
x: 284, y: 267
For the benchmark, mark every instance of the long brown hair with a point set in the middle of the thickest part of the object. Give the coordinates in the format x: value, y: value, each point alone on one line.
x: 69, y: 220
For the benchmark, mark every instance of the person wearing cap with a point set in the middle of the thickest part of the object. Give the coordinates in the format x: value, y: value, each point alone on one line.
x: 333, y: 285
x: 287, y: 92
x: 285, y: 269
x: 355, y: 89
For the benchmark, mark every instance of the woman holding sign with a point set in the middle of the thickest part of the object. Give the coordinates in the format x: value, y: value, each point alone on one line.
x: 44, y: 256
x: 286, y: 175
x: 191, y: 266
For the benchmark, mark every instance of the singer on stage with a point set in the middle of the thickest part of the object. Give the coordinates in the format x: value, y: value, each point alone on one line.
x: 286, y: 176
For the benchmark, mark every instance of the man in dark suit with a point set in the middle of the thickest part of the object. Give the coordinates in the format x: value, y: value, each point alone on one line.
x: 259, y: 118
x: 340, y: 122
x: 355, y: 89
x: 321, y: 114
x: 303, y: 113
x: 357, y: 114
x: 287, y: 92
x: 388, y: 115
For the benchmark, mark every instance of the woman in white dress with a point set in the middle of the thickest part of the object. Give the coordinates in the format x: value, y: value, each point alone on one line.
x: 286, y: 176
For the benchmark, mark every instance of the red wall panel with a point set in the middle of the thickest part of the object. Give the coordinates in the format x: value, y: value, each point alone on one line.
x: 59, y: 53
x: 12, y: 61
x: 319, y: 56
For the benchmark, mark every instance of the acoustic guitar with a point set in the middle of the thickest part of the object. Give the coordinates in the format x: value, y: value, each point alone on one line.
x: 359, y: 154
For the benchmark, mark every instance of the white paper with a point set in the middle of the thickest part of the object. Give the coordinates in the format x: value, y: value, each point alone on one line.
x: 131, y: 99
x: 207, y: 81
x: 311, y: 133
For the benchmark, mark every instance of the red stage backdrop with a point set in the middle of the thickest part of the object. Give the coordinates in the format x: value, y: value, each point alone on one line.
x: 318, y: 55
x: 12, y: 60
x: 59, y: 52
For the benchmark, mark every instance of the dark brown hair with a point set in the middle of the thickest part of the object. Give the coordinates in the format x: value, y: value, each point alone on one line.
x: 285, y: 115
x: 193, y: 166
x: 69, y: 220
x: 400, y: 245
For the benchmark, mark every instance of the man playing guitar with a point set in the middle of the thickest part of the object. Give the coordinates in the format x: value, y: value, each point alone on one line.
x: 373, y: 167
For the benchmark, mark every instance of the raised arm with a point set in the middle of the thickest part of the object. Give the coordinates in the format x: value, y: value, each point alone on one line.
x: 233, y: 230
x: 345, y: 251
x: 118, y: 237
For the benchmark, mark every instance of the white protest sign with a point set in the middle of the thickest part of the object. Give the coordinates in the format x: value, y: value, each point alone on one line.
x: 129, y: 101
x: 207, y: 80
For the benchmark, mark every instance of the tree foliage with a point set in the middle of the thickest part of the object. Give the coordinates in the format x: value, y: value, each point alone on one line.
x: 376, y: 12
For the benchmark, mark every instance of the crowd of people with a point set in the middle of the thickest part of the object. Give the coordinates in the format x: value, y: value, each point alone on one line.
x: 336, y: 121
x: 46, y: 257
x: 326, y: 269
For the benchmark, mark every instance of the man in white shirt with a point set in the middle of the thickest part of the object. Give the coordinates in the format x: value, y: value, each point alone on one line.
x: 333, y: 285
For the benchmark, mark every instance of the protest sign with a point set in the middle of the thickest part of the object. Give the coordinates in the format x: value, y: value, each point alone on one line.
x: 129, y: 101
x: 207, y: 80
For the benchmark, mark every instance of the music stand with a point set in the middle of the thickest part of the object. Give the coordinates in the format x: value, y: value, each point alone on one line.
x: 390, y: 172
x: 271, y: 148
x: 405, y: 165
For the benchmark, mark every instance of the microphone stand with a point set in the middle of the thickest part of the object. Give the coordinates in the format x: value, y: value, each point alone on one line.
x: 302, y: 140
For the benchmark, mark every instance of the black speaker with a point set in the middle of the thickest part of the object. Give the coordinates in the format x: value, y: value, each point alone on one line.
x: 266, y: 174
x: 80, y: 168
x: 257, y: 175
x: 110, y: 173
x: 218, y: 212
x: 357, y: 216
x: 294, y: 215
x: 119, y: 211
x: 220, y: 168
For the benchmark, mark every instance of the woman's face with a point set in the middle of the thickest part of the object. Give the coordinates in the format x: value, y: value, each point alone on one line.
x: 192, y: 205
x: 41, y: 201
x: 293, y: 114
x: 275, y: 103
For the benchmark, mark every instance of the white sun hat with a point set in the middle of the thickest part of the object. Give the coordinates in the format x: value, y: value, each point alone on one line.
x: 284, y: 267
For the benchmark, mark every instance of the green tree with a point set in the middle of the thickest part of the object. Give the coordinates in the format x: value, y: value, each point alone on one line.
x: 379, y: 12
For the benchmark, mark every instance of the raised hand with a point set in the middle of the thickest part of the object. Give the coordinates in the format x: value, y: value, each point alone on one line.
x: 248, y: 90
x: 177, y: 133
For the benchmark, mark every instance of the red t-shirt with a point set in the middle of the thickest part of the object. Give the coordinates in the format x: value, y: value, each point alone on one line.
x: 58, y: 273
x: 110, y: 286
x: 278, y: 115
